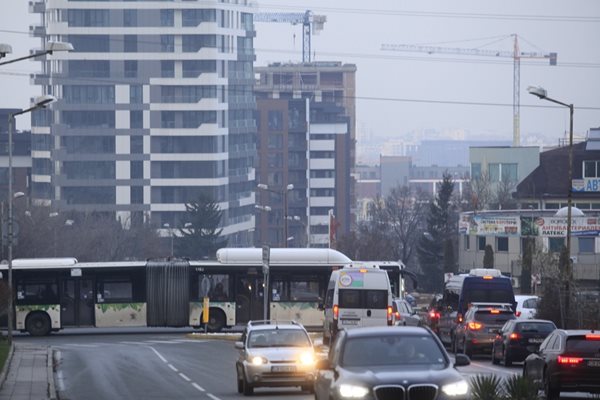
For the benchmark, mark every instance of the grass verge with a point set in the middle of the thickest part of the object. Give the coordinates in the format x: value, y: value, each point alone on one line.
x: 3, y: 352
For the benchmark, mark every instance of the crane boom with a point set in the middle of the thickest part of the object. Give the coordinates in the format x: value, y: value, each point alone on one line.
x: 516, y: 55
x: 311, y: 25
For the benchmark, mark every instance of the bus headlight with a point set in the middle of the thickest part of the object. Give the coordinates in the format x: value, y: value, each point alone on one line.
x: 258, y: 360
x: 353, y: 391
x: 307, y: 358
x: 459, y: 388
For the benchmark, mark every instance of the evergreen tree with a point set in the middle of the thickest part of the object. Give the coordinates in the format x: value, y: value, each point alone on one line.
x: 440, y: 227
x: 202, y: 238
x: 526, y: 266
x: 449, y: 261
x: 488, y: 257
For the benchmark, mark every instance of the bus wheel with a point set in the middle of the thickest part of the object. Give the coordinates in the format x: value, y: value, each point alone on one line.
x: 216, y: 320
x: 38, y: 324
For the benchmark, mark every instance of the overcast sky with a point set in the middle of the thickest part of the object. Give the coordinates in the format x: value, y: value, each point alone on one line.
x: 398, y: 91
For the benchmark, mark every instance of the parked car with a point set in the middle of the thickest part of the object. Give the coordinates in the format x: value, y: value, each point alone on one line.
x: 526, y: 306
x: 404, y: 315
x: 519, y: 338
x: 567, y: 361
x: 275, y: 354
x: 390, y: 363
x: 477, y: 331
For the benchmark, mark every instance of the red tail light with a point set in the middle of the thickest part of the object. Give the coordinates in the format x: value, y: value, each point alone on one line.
x: 397, y: 314
x: 434, y: 315
x: 518, y: 313
x: 514, y: 336
x: 592, y: 336
x: 569, y: 360
x: 389, y: 315
x: 475, y: 326
x: 336, y: 311
x: 459, y: 318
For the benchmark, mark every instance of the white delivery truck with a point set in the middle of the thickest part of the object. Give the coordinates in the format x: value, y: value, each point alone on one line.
x: 357, y: 296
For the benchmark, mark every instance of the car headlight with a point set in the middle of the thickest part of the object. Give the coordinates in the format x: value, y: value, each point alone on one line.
x: 459, y: 388
x: 258, y: 360
x: 307, y: 358
x: 353, y: 391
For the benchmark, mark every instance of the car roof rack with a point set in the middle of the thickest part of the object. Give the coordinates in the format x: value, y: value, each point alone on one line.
x: 271, y: 322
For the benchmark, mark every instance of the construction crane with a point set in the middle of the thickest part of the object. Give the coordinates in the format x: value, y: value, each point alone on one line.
x: 311, y: 25
x: 515, y: 54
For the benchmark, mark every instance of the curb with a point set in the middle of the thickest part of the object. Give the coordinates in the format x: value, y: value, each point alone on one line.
x: 52, y: 395
x: 4, y: 372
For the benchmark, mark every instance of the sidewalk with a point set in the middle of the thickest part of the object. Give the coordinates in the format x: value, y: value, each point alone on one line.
x: 29, y: 375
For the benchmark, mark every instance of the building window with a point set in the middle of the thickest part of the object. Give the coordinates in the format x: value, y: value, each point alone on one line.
x: 130, y: 44
x: 481, y: 243
x: 502, y: 244
x: 475, y: 170
x: 167, y: 18
x: 509, y: 172
x: 136, y: 94
x: 275, y: 120
x: 136, y: 144
x: 137, y: 195
x: 590, y: 169
x: 129, y: 17
x: 131, y: 69
x: 137, y: 170
x: 167, y: 69
x: 494, y: 172
x: 136, y: 119
x: 467, y: 242
x: 586, y: 244
x: 555, y: 244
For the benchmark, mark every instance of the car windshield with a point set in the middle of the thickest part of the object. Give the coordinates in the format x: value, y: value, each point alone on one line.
x: 278, y: 338
x: 392, y: 350
x: 493, y: 319
x: 580, y: 346
x: 535, y: 327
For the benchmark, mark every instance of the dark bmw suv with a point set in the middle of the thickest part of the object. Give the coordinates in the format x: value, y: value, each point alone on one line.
x: 390, y: 363
x: 567, y: 361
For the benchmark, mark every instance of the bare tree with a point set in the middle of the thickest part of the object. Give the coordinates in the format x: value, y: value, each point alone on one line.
x: 481, y: 191
x: 502, y: 198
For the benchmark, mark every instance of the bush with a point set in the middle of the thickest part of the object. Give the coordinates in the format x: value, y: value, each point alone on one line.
x: 490, y: 387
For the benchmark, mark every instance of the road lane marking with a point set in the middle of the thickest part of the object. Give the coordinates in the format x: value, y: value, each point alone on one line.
x: 161, y: 341
x: 173, y: 368
x: 81, y: 345
x: 212, y: 396
x: 501, y: 370
x: 159, y: 355
x: 139, y: 343
x: 200, y: 388
x: 190, y: 341
x: 184, y: 377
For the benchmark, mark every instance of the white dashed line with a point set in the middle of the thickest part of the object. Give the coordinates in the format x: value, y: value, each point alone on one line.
x: 200, y: 388
x: 81, y: 345
x: 501, y: 370
x: 190, y: 341
x: 212, y: 396
x: 173, y: 368
x: 161, y: 341
x: 184, y: 377
x: 159, y: 355
x: 138, y: 343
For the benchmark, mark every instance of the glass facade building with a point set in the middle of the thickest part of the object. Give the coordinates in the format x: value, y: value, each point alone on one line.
x: 155, y: 107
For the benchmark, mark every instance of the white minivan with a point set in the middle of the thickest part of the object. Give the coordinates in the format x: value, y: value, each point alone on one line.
x: 357, y: 296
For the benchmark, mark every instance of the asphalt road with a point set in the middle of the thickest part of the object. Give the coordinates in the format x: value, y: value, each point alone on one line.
x: 166, y: 364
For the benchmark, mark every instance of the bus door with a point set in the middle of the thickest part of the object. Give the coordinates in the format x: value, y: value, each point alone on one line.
x: 248, y: 298
x: 77, y: 302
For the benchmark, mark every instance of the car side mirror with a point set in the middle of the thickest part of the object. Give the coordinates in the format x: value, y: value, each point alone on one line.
x: 461, y: 360
x: 323, y: 364
x: 239, y: 345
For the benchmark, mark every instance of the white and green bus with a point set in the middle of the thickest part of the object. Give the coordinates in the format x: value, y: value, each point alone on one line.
x: 55, y: 293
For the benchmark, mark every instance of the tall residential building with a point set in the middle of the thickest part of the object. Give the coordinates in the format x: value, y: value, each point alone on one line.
x: 155, y: 108
x: 306, y: 115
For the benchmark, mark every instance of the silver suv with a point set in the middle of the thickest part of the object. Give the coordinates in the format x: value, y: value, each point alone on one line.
x: 275, y: 354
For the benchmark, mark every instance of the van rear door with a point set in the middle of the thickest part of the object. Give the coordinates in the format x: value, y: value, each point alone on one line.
x: 364, y: 303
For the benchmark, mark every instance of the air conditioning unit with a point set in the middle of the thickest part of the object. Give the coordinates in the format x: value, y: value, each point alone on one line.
x: 515, y: 283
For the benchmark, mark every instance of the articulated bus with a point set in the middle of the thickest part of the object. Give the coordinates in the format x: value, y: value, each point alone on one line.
x: 51, y: 294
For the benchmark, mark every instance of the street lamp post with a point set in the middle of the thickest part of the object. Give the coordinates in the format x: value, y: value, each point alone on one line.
x: 543, y: 94
x: 284, y: 193
x: 40, y: 102
x: 51, y: 47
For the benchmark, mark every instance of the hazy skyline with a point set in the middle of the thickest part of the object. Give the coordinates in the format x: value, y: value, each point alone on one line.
x: 402, y: 92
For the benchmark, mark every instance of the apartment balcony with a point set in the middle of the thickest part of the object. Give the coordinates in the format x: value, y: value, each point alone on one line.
x: 37, y: 31
x: 37, y: 7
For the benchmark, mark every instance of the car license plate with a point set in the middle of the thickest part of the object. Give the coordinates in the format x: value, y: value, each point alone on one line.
x: 536, y: 340
x: 283, y: 368
x: 594, y: 363
x: 349, y: 322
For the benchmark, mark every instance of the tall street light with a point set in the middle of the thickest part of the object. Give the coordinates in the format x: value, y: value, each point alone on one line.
x: 51, y: 47
x: 283, y: 192
x: 40, y: 102
x: 543, y: 94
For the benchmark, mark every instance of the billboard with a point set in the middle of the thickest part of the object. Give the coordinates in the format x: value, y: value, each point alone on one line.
x: 489, y: 225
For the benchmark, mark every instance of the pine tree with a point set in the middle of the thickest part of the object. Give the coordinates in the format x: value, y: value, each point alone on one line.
x: 202, y: 238
x: 440, y: 227
x: 488, y: 257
